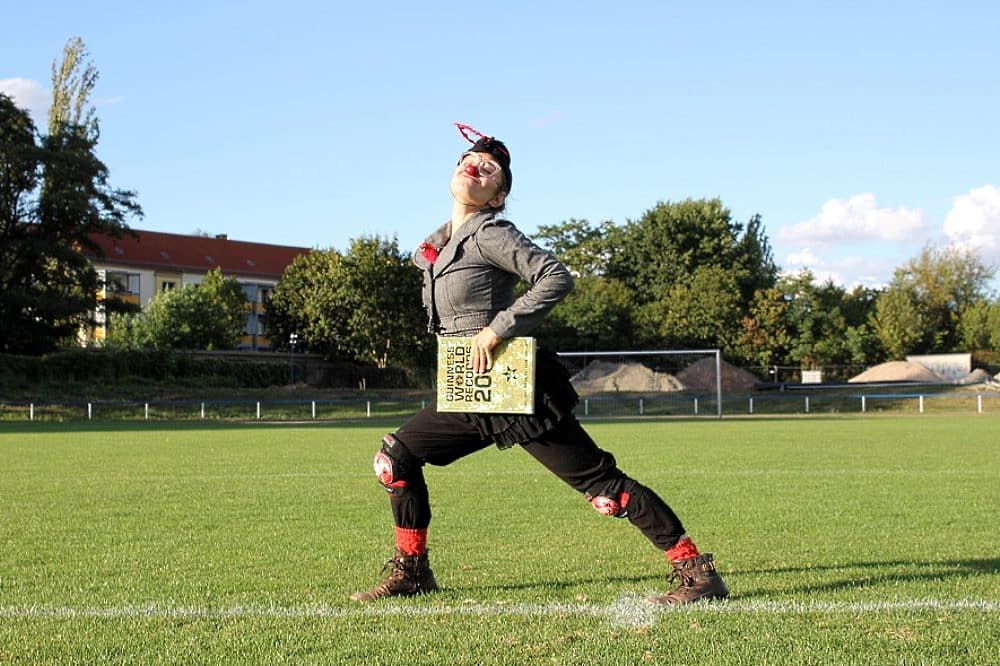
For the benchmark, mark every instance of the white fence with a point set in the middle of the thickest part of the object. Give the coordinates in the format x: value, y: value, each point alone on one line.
x: 590, y: 407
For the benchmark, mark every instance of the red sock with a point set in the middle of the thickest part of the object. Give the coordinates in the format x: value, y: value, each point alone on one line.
x: 411, y: 542
x: 683, y: 550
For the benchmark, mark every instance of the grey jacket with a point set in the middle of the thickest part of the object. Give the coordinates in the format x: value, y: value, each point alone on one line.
x: 471, y: 283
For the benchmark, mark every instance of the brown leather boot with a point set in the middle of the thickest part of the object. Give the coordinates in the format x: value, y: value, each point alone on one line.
x: 410, y: 575
x: 698, y: 580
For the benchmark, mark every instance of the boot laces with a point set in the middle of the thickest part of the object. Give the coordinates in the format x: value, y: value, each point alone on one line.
x: 685, y: 575
x: 683, y: 578
x: 397, y: 565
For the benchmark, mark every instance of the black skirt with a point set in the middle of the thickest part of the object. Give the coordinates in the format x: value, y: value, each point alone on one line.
x: 555, y: 399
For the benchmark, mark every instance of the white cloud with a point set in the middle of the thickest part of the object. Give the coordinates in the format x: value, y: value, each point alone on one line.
x: 804, y: 258
x: 973, y: 223
x: 845, y: 270
x: 28, y: 95
x: 856, y: 219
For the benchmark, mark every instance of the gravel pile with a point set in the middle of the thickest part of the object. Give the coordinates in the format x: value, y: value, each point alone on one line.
x: 604, y: 377
x: 899, y: 371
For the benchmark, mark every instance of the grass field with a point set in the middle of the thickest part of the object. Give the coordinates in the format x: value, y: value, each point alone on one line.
x: 864, y: 540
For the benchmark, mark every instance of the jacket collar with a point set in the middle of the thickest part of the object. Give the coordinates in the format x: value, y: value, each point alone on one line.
x: 446, y: 244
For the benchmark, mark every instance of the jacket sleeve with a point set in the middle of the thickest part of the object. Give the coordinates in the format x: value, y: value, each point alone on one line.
x: 504, y: 246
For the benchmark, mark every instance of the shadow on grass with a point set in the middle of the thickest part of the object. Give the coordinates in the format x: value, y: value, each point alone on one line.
x: 559, y: 584
x: 870, y: 574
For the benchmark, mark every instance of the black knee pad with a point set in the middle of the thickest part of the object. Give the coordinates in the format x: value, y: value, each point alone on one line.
x: 392, y: 464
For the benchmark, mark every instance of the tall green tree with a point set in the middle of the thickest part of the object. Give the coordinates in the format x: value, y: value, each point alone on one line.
x: 701, y: 309
x: 363, y: 305
x: 73, y: 81
x: 766, y: 336
x: 387, y: 323
x: 306, y: 302
x: 861, y: 344
x: 808, y: 324
x: 595, y: 316
x: 693, y: 271
x: 929, y: 294
x: 979, y: 328
x: 816, y: 317
x: 54, y: 193
x: 899, y: 321
x: 584, y: 248
x: 672, y: 239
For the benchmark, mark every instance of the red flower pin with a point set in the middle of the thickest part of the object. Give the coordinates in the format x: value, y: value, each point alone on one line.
x: 429, y: 252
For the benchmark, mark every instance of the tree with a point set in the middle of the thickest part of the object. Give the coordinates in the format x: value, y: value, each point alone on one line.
x: 208, y: 316
x: 979, y: 328
x: 816, y: 318
x: 686, y: 271
x: 766, y: 337
x: 899, y: 321
x: 812, y: 325
x: 364, y: 305
x: 595, y: 316
x: 306, y: 302
x: 702, y: 309
x: 584, y: 249
x: 693, y: 272
x: 671, y: 240
x: 387, y: 323
x: 930, y: 294
x: 20, y: 173
x: 54, y: 193
x: 73, y: 80
x: 860, y: 342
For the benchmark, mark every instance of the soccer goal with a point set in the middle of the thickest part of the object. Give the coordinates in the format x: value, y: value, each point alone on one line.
x: 647, y: 383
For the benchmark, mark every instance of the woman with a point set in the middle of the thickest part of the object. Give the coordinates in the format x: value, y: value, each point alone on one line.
x: 471, y: 265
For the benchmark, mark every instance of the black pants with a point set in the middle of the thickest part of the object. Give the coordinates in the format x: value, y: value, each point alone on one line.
x: 567, y: 451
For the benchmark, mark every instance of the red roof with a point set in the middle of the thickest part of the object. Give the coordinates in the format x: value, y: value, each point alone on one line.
x: 176, y: 252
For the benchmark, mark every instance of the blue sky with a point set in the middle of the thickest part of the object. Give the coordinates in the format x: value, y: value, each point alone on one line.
x: 859, y: 131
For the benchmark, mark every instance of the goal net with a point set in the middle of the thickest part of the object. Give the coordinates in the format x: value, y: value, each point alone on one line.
x: 649, y: 383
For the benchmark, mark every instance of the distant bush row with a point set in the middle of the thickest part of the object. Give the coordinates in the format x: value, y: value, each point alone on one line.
x: 137, y: 368
x: 131, y: 366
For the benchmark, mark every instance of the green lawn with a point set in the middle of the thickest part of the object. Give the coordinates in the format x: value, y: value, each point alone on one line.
x: 844, y: 540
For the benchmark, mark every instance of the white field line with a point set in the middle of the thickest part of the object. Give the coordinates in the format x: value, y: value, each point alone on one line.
x: 631, y: 611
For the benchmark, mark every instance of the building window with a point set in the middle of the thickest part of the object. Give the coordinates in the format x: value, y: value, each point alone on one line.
x: 120, y: 282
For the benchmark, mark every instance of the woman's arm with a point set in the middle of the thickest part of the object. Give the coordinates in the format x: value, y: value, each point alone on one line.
x: 503, y: 245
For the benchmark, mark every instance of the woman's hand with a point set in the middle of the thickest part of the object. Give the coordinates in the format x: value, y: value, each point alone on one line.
x: 483, y: 344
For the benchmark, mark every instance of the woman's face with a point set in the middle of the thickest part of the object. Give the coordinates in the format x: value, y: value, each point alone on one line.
x: 477, y: 181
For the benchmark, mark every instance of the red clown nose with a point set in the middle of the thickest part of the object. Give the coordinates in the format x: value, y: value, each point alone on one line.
x: 472, y: 170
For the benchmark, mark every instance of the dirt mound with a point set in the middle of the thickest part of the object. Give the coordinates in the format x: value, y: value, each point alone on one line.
x: 898, y: 371
x: 700, y: 376
x: 977, y: 376
x: 604, y: 376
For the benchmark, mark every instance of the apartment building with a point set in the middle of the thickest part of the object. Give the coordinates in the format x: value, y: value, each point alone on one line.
x: 136, y: 267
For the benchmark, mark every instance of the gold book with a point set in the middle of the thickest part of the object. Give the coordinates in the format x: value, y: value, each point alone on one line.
x: 508, y: 388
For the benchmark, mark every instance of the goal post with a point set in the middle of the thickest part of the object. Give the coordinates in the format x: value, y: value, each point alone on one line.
x: 647, y: 382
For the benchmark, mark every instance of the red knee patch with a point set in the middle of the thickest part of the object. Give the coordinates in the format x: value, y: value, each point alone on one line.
x: 384, y: 471
x: 610, y: 506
